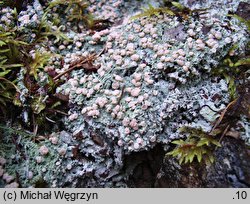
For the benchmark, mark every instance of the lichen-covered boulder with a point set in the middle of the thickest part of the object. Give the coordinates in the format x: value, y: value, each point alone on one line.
x: 153, y: 79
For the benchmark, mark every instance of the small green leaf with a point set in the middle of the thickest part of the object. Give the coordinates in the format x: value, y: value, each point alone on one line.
x: 216, y: 143
x: 178, y: 5
x: 40, y: 60
x: 17, y: 102
x: 38, y: 105
x: 178, y: 142
x: 233, y: 48
x: 168, y: 11
x: 174, y: 153
x: 202, y: 142
x: 198, y: 153
x: 191, y: 157
x: 2, y: 43
x: 181, y: 160
x: 216, y: 132
x: 14, y: 65
x: 242, y: 62
x: 4, y: 50
x: 2, y: 74
x: 229, y: 62
x: 58, y: 103
x: 211, y: 158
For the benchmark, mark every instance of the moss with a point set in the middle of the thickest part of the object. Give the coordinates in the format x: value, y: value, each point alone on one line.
x: 10, y: 62
x: 152, y: 11
x: 172, y: 8
x: 198, y: 144
x: 77, y: 10
x: 33, y: 90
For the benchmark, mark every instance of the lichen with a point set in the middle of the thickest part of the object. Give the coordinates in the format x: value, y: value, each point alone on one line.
x: 141, y: 86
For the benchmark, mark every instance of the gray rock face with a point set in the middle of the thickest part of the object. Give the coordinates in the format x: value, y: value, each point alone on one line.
x: 231, y: 169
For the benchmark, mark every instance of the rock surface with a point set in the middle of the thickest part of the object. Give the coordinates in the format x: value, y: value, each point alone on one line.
x: 230, y: 170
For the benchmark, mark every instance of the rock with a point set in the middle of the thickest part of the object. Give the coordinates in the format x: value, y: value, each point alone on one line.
x: 230, y: 170
x: 243, y: 10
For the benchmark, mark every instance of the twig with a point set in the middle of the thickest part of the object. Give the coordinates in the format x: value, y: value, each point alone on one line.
x: 101, y: 52
x: 61, y: 112
x: 79, y: 64
x: 209, y: 108
x: 8, y: 81
x: 223, y: 114
x: 52, y: 121
x: 69, y: 70
x: 224, y: 133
